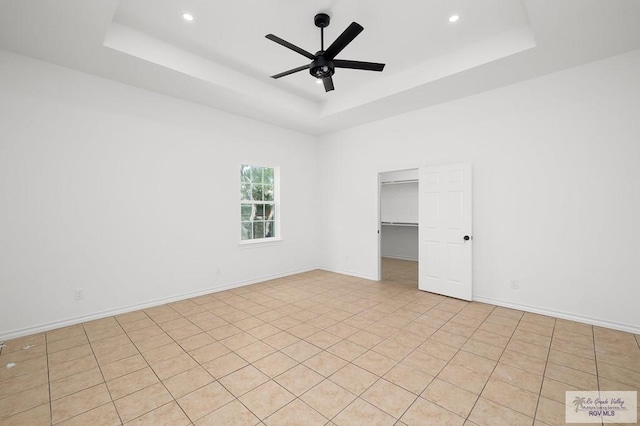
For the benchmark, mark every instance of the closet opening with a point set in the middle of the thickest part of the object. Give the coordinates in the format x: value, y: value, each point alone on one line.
x: 398, y: 227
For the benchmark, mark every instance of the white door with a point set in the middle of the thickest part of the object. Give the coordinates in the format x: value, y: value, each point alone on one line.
x: 445, y: 230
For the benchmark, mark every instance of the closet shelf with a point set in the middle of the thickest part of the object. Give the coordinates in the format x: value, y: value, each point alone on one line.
x: 398, y: 182
x: 399, y: 224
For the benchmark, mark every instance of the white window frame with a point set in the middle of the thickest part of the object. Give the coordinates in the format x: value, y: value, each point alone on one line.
x: 276, y: 203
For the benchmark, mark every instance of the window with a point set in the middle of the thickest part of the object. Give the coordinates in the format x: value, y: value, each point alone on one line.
x: 258, y: 202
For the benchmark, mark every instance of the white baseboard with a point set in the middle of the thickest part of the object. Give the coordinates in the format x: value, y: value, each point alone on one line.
x: 635, y: 329
x: 350, y: 273
x: 145, y: 305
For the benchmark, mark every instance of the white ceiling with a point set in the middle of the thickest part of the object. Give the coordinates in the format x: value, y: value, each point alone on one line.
x: 222, y: 59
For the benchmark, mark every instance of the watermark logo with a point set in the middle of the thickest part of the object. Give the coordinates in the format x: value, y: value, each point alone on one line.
x: 601, y: 407
x: 579, y: 402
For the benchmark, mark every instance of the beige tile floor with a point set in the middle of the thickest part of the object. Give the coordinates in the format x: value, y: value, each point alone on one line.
x: 314, y: 349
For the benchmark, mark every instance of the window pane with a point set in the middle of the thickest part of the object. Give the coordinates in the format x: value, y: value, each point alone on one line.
x: 245, y: 173
x: 257, y: 192
x: 268, y: 176
x: 258, y: 229
x: 245, y: 192
x: 268, y: 192
x: 270, y: 229
x: 247, y: 231
x: 256, y: 174
x: 258, y: 212
x: 269, y: 211
x: 245, y: 212
x: 257, y: 202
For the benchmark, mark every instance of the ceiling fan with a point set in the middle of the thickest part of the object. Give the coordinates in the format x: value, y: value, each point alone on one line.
x: 323, y: 63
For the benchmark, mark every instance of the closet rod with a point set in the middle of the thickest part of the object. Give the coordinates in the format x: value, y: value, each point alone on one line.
x: 394, y: 182
x: 399, y: 223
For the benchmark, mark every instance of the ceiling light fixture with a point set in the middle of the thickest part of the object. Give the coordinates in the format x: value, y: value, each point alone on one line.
x: 187, y: 17
x: 454, y: 18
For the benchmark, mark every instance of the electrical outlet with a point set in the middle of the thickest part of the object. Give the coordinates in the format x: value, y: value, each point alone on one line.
x: 78, y: 294
x: 515, y: 285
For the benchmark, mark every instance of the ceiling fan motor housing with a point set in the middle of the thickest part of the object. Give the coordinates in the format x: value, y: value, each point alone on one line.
x: 322, y: 20
x: 321, y: 67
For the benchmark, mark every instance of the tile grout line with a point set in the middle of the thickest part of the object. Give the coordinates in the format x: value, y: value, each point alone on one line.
x: 553, y: 332
x: 302, y: 363
x: 396, y: 362
x: 162, y: 382
x: 399, y: 362
x: 102, y: 374
x: 447, y: 362
x: 46, y: 351
x: 296, y: 397
x: 595, y: 357
x: 494, y: 368
x: 152, y: 370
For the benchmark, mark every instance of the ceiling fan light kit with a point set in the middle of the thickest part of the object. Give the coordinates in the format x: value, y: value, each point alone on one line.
x: 323, y: 63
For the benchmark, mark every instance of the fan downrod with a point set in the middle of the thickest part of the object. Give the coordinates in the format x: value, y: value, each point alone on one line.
x: 322, y: 20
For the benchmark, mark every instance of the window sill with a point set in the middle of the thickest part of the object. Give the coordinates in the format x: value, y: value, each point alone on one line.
x: 264, y: 242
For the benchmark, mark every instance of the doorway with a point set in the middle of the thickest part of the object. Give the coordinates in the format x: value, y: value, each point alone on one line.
x: 425, y: 237
x: 398, y: 242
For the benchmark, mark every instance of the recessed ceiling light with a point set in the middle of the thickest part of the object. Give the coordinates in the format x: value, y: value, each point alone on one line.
x: 454, y: 18
x: 187, y: 16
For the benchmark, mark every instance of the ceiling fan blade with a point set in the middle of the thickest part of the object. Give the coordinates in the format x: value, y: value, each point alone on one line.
x: 282, y: 74
x: 290, y: 46
x: 328, y: 84
x: 343, y: 40
x: 357, y: 65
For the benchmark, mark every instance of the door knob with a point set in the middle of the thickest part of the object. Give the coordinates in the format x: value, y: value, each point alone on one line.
x: 467, y: 238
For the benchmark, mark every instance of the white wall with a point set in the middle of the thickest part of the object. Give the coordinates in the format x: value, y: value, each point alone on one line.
x: 131, y: 196
x: 399, y: 242
x: 556, y: 168
x: 399, y: 203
